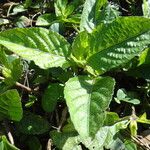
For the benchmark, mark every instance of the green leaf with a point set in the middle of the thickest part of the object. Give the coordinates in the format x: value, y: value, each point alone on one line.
x: 27, y: 3
x: 60, y: 7
x: 105, y: 137
x: 11, y: 68
x: 144, y: 57
x: 87, y: 100
x: 34, y: 143
x: 45, y: 20
x: 33, y: 124
x: 60, y: 74
x: 66, y: 141
x: 128, y: 97
x: 37, y: 44
x: 90, y: 14
x: 117, y: 43
x: 10, y: 105
x: 146, y: 8
x: 22, y: 22
x: 143, y: 119
x: 81, y: 48
x: 129, y: 145
x: 4, y: 59
x: 111, y: 118
x: 51, y: 96
x: 5, y: 145
x: 3, y: 21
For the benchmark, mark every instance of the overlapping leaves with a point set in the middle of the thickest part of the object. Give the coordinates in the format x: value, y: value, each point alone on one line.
x: 114, y: 44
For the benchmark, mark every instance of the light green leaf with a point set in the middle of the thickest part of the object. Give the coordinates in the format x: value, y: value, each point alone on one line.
x: 144, y: 57
x: 51, y: 96
x: 90, y: 13
x: 104, y: 138
x: 143, y: 119
x: 23, y: 22
x: 81, y: 48
x: 46, y: 48
x: 60, y: 7
x: 3, y: 21
x: 117, y: 43
x: 5, y: 145
x: 128, y: 97
x: 32, y: 124
x: 87, y: 100
x: 10, y: 105
x: 129, y: 145
x: 146, y: 8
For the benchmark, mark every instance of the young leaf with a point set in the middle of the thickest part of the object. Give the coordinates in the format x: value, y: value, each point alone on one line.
x: 32, y: 124
x: 143, y: 119
x: 51, y: 95
x: 37, y: 44
x: 45, y: 20
x: 117, y: 43
x: 10, y: 105
x: 81, y: 47
x: 87, y: 100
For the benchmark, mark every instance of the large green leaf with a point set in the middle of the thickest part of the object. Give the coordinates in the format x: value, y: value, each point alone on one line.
x: 33, y: 124
x: 10, y: 105
x: 87, y: 100
x: 46, y: 48
x: 118, y: 42
x: 90, y: 14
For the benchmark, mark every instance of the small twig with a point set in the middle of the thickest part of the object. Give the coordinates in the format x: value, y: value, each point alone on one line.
x: 10, y: 137
x: 63, y: 119
x: 19, y: 85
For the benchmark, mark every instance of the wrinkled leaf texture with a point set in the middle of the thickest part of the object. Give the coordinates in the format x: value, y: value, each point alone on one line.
x: 46, y: 48
x: 87, y: 100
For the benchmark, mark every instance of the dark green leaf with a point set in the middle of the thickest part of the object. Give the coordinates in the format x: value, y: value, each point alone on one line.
x: 10, y: 105
x: 66, y: 141
x: 51, y: 96
x: 33, y: 124
x: 34, y: 143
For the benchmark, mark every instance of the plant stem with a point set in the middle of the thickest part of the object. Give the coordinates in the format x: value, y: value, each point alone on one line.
x: 20, y: 85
